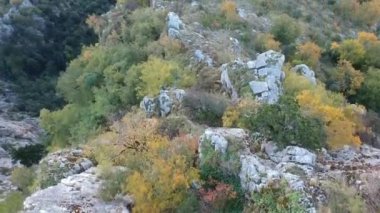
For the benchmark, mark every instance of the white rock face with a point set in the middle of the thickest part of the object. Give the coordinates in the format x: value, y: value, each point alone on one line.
x: 164, y: 103
x: 254, y: 175
x: 77, y: 193
x: 227, y: 84
x: 268, y: 72
x: 174, y: 24
x: 217, y: 137
x: 304, y: 70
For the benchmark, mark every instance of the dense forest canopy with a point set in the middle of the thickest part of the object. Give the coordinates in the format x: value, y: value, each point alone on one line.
x: 45, y: 37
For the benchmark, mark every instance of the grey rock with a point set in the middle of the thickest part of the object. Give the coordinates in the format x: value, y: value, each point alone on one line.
x: 164, y: 103
x: 294, y: 181
x: 227, y: 84
x: 77, y: 192
x: 304, y: 70
x: 259, y: 87
x: 63, y: 163
x: 217, y: 137
x: 148, y: 105
x: 17, y: 130
x: 204, y: 58
x: 251, y: 64
x: 255, y: 174
x: 268, y: 71
x: 293, y: 154
x: 174, y: 24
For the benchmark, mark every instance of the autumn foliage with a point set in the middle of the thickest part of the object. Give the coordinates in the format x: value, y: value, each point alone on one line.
x: 229, y: 10
x: 309, y: 53
x: 160, y: 171
x: 340, y: 119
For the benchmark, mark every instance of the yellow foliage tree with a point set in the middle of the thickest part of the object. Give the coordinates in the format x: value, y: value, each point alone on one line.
x: 309, y: 53
x: 246, y: 107
x: 341, y: 129
x: 365, y: 37
x: 294, y: 82
x: 160, y: 171
x: 155, y: 74
x: 266, y: 41
x: 347, y: 78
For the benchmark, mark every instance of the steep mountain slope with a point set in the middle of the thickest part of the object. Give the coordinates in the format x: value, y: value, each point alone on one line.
x: 217, y: 106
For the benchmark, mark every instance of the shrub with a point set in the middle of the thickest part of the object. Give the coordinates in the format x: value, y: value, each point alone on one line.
x: 12, y: 203
x: 219, y: 196
x: 226, y: 18
x: 345, y: 78
x: 285, y: 29
x: 174, y: 126
x: 221, y: 170
x: 229, y: 10
x: 295, y: 83
x: 309, y: 53
x: 352, y: 51
x: 277, y: 199
x: 205, y: 107
x: 285, y: 124
x: 29, y: 155
x: 342, y: 198
x: 368, y: 93
x: 155, y: 75
x: 339, y: 118
x: 159, y: 171
x: 23, y: 178
x: 114, y: 181
x: 245, y: 108
x: 266, y: 41
x: 369, y: 12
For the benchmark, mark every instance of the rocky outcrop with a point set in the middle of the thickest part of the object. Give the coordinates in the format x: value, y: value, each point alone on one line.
x: 218, y: 138
x: 267, y: 69
x: 162, y: 105
x: 17, y: 130
x: 61, y: 164
x: 76, y: 193
x: 174, y: 25
x: 304, y: 70
x: 264, y: 76
x: 303, y: 170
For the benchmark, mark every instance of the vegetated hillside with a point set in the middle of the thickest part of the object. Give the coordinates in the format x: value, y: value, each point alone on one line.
x: 290, y: 88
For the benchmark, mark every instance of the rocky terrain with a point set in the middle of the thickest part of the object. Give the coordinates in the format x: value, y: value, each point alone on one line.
x: 17, y: 130
x: 304, y: 171
x: 76, y: 193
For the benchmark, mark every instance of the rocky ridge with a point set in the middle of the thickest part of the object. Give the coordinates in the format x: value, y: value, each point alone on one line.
x: 76, y: 193
x: 303, y: 170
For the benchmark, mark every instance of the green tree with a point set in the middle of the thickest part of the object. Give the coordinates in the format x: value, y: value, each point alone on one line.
x: 370, y: 90
x: 285, y: 29
x: 285, y: 124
